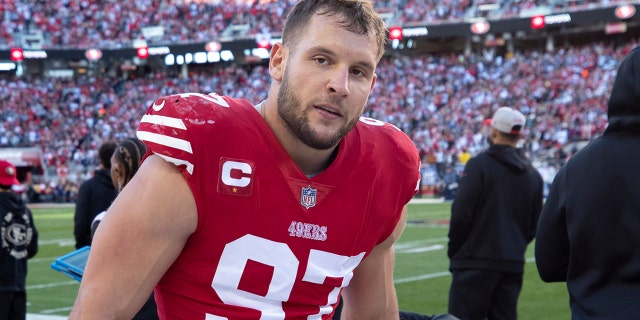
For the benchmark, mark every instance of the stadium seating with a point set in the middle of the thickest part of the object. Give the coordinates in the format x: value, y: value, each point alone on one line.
x: 440, y: 100
x: 115, y: 24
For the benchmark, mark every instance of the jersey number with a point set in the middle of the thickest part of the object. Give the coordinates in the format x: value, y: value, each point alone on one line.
x: 285, y: 264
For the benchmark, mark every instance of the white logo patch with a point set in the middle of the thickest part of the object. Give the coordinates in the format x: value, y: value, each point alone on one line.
x: 307, y: 231
x: 308, y: 197
x: 158, y: 107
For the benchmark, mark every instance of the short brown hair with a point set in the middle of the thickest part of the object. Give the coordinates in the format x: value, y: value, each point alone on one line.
x: 358, y: 16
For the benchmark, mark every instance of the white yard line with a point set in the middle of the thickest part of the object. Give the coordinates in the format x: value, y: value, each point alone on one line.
x: 51, y: 285
x: 32, y: 316
x: 426, y: 200
x: 423, y: 277
x: 64, y: 242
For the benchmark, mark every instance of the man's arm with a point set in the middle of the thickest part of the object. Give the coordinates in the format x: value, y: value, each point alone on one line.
x: 371, y: 293
x: 464, y: 205
x: 32, y: 247
x: 552, y: 239
x: 141, y: 235
x: 536, y: 208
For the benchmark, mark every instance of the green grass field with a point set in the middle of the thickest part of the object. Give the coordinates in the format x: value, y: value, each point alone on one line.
x: 422, y: 279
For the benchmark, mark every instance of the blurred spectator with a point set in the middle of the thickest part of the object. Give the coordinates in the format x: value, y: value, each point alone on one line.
x: 588, y: 231
x: 19, y: 243
x: 493, y: 219
x: 116, y: 24
x: 95, y: 195
x: 450, y: 183
x: 464, y: 156
x: 438, y: 99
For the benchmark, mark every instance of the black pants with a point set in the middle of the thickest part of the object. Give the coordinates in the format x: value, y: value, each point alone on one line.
x: 13, y: 305
x: 480, y: 294
x: 404, y: 315
x: 149, y: 310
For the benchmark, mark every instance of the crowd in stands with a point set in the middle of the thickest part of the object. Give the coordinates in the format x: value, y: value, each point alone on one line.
x: 115, y: 24
x: 440, y: 100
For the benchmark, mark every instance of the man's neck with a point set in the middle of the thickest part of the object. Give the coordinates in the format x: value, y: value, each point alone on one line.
x: 311, y: 161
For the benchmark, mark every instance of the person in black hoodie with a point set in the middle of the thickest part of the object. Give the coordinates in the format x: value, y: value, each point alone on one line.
x: 493, y: 218
x: 94, y: 196
x: 589, y: 230
x: 19, y: 243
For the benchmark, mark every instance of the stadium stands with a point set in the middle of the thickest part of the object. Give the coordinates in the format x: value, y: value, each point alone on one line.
x: 115, y: 24
x: 440, y: 100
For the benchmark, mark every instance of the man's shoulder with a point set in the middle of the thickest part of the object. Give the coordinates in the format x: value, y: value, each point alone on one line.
x: 190, y: 114
x: 380, y: 134
x: 6, y: 197
x: 385, y: 146
x: 181, y: 126
x: 99, y: 178
x: 86, y: 184
x: 477, y: 158
x: 190, y: 105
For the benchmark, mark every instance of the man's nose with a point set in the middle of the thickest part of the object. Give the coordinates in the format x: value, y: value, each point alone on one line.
x: 339, y: 81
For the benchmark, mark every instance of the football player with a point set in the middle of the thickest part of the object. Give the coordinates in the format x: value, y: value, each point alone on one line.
x: 269, y: 211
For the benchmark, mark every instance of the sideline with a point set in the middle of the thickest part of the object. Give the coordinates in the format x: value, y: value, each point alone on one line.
x: 71, y: 205
x: 32, y: 316
x: 46, y: 205
x: 426, y: 200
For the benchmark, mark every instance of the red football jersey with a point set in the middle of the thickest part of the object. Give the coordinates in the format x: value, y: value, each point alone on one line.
x: 270, y: 242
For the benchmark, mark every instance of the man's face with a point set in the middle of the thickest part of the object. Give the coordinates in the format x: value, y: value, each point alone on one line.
x: 326, y: 80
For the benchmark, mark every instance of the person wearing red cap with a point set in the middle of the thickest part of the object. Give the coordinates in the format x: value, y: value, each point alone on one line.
x: 19, y: 243
x: 493, y: 218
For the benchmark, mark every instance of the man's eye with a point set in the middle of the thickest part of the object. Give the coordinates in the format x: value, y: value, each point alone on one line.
x: 321, y: 60
x: 358, y: 72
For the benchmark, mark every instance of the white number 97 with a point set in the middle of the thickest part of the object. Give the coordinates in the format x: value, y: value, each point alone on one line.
x: 278, y: 255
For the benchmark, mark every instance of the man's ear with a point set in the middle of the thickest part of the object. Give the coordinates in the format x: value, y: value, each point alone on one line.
x: 276, y: 61
x: 373, y: 82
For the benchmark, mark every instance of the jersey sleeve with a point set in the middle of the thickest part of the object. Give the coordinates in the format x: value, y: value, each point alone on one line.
x: 173, y: 125
x: 403, y: 160
x: 397, y: 164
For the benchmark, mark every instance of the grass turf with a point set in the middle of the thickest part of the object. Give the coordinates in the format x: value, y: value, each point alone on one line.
x: 421, y: 273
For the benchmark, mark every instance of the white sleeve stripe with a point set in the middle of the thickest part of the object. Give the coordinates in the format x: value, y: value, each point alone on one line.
x: 164, y: 140
x: 177, y: 162
x: 164, y: 121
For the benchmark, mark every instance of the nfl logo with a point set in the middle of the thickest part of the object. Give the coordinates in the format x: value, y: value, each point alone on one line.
x: 308, y: 197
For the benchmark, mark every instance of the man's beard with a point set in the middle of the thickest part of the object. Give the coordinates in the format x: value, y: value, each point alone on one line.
x: 299, y: 125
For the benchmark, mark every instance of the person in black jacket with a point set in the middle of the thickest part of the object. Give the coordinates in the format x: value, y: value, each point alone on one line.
x: 19, y: 243
x: 493, y: 218
x: 589, y: 230
x: 94, y: 196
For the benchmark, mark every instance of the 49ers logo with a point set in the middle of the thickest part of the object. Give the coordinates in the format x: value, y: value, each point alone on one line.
x: 235, y: 177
